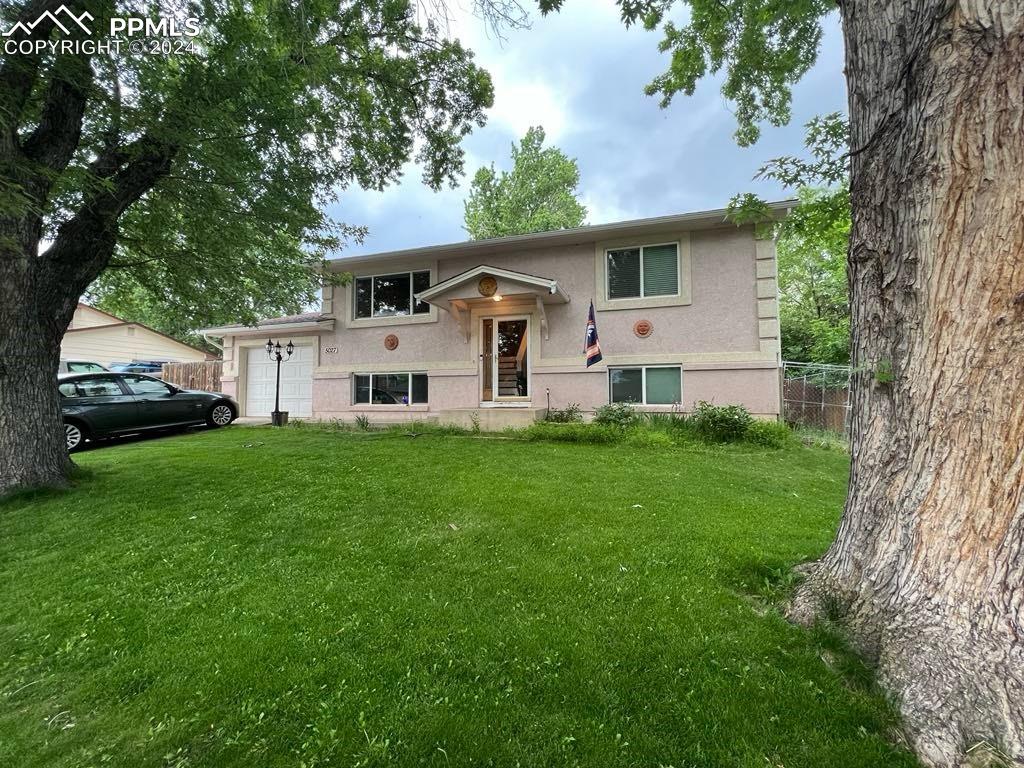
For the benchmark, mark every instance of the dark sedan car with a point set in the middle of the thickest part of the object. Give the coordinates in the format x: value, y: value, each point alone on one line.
x: 106, y: 404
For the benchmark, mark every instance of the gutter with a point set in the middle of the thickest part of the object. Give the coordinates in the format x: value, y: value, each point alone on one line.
x: 250, y: 330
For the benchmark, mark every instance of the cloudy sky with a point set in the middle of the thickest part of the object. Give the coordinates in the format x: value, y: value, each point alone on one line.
x: 580, y: 74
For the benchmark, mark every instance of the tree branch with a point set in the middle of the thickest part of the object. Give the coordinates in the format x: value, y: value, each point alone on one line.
x: 19, y: 72
x: 53, y: 142
x: 85, y: 243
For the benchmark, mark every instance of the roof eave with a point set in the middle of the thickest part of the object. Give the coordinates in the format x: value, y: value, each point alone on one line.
x: 592, y: 233
x: 251, y: 330
x: 446, y: 285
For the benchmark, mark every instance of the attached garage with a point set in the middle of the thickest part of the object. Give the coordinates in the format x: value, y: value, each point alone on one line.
x: 296, y: 381
x: 249, y: 372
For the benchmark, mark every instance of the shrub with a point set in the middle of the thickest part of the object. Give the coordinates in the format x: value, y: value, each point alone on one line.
x: 362, y: 422
x: 770, y: 434
x: 571, y: 413
x: 619, y: 415
x: 720, y: 423
x: 674, y: 423
x: 666, y: 422
x: 573, y: 433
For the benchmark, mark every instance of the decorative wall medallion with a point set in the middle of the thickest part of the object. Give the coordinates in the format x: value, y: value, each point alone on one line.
x: 643, y: 328
x: 390, y: 342
x: 488, y: 286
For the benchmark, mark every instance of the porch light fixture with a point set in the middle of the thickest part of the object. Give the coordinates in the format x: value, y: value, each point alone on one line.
x: 277, y: 418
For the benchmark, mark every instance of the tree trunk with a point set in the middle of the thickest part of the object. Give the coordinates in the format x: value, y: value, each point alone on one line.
x: 38, y: 297
x: 927, y: 569
x: 32, y: 445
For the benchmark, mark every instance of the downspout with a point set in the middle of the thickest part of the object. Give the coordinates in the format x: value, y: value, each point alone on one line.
x: 213, y: 343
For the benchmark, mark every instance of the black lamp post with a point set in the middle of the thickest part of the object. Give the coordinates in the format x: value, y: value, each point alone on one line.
x: 277, y: 418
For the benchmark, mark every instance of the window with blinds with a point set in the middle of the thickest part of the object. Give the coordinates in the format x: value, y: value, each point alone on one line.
x: 651, y: 270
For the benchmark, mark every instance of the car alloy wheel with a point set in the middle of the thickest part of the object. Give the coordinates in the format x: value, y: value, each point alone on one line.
x: 73, y: 436
x: 221, y: 415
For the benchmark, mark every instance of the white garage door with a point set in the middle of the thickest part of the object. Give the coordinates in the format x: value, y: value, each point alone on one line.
x: 296, y: 382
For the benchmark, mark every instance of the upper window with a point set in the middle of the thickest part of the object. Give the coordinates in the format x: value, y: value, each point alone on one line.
x: 144, y: 385
x: 650, y: 270
x: 649, y: 385
x: 391, y: 295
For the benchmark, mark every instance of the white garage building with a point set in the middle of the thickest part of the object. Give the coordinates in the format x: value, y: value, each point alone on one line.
x: 99, y: 337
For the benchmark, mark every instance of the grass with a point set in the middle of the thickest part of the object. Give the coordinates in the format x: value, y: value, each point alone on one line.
x: 259, y: 597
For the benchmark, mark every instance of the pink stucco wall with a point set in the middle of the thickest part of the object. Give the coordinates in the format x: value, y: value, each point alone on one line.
x: 715, y: 338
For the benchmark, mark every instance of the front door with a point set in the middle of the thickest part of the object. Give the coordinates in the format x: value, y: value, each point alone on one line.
x: 505, y: 359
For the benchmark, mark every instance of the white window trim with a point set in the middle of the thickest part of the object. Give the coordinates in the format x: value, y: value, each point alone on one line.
x: 412, y: 295
x: 641, y: 248
x: 643, y: 383
x: 371, y: 374
x: 683, y: 276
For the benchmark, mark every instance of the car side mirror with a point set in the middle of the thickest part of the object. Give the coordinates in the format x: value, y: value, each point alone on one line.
x: 173, y: 389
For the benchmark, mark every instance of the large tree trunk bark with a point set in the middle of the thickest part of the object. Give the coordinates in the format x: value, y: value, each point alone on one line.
x: 927, y: 569
x: 38, y: 297
x: 32, y: 445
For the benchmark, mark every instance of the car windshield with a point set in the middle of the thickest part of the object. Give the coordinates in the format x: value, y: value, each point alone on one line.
x: 83, y: 367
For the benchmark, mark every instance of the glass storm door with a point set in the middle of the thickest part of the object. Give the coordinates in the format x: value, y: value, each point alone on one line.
x: 505, y: 359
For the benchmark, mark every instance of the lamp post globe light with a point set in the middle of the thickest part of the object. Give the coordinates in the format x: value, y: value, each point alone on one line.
x: 278, y: 418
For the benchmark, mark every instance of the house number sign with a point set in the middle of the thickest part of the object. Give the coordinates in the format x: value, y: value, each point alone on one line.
x: 331, y: 350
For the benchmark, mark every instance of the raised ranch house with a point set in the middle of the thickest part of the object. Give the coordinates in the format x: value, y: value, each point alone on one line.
x: 493, y: 330
x: 100, y: 337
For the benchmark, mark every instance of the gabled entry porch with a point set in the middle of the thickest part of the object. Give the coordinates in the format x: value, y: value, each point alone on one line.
x: 504, y: 313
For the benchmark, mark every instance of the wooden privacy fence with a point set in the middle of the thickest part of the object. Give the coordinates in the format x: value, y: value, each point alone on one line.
x: 205, y: 375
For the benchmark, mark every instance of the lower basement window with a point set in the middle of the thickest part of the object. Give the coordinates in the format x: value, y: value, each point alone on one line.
x: 390, y: 388
x: 646, y: 385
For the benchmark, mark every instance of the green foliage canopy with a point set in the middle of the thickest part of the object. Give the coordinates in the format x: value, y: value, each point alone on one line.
x: 539, y: 194
x: 278, y: 109
x: 814, y: 308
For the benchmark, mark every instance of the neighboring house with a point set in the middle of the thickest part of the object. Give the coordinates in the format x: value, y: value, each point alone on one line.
x: 490, y: 330
x: 100, y: 337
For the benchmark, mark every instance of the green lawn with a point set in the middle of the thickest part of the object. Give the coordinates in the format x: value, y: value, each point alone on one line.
x: 251, y: 597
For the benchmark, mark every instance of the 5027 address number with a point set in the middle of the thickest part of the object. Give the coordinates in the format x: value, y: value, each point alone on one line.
x: 330, y: 350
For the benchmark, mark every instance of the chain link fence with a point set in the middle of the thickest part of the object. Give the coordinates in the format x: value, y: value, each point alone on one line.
x: 817, y: 396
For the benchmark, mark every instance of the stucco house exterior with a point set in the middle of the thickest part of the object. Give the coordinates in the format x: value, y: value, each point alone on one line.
x: 101, y: 337
x: 493, y: 330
